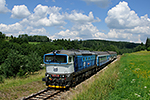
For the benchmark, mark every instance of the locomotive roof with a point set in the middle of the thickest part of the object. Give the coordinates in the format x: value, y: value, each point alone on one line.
x: 73, y: 52
x: 101, y: 53
x: 111, y: 52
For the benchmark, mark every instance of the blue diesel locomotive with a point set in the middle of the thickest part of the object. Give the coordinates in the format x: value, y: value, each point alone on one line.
x: 65, y: 68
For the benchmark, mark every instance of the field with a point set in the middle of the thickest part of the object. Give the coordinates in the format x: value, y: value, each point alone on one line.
x: 34, y: 43
x: 134, y: 77
x: 127, y: 79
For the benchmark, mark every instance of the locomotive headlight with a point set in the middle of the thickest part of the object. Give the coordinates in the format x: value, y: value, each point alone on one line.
x: 63, y: 75
x: 47, y: 75
x: 68, y: 75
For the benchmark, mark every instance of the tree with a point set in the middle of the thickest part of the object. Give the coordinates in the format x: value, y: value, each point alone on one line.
x: 147, y: 42
x: 13, y: 63
x: 34, y: 61
x: 2, y: 36
x: 148, y: 49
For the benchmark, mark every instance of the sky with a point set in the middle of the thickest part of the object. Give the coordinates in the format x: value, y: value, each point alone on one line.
x: 114, y: 20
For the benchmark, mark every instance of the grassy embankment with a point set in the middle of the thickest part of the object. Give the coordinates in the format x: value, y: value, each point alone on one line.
x: 127, y: 79
x: 15, y: 88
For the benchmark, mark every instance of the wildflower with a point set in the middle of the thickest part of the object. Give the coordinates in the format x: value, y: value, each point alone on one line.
x: 139, y: 96
x: 145, y: 87
x: 135, y: 93
x: 133, y: 81
x: 118, y: 80
x: 137, y: 69
x: 125, y: 69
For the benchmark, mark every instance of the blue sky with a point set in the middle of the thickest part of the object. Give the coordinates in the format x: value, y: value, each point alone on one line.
x: 116, y: 20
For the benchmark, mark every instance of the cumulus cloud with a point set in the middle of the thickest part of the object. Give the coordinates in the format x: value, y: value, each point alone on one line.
x: 20, y: 11
x: 40, y: 31
x: 11, y: 28
x: 46, y: 16
x: 81, y: 31
x: 122, y: 16
x: 3, y: 8
x: 100, y: 3
x: 125, y: 24
x: 81, y: 18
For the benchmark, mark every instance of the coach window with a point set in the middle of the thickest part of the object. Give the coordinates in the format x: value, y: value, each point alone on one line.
x: 83, y: 59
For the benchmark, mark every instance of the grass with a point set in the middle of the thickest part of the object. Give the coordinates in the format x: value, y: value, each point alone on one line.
x: 127, y: 79
x: 19, y: 87
x: 134, y: 77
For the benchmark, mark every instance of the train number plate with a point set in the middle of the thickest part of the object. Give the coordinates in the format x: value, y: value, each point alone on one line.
x: 55, y: 69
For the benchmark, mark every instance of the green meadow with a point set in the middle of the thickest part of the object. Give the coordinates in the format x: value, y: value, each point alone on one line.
x: 126, y: 79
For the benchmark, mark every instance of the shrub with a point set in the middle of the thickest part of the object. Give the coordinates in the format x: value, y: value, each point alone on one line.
x: 1, y: 79
x: 148, y: 49
x: 13, y: 62
x: 34, y: 61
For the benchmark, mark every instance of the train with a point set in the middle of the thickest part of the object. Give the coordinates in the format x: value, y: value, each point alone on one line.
x: 65, y: 68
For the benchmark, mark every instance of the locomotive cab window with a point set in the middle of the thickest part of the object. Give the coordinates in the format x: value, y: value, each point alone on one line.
x: 56, y: 58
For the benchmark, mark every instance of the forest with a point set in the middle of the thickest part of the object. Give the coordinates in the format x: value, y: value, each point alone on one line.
x: 22, y: 55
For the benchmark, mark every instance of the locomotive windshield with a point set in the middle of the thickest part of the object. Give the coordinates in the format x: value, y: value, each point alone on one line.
x: 56, y: 59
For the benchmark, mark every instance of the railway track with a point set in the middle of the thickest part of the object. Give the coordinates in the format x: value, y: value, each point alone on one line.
x: 47, y: 94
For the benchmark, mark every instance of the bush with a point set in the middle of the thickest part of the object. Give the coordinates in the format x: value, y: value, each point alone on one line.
x: 1, y: 79
x: 13, y: 63
x: 34, y: 61
x: 1, y: 75
x: 148, y: 49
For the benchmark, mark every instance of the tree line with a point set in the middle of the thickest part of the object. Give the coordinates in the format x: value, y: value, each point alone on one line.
x: 18, y: 57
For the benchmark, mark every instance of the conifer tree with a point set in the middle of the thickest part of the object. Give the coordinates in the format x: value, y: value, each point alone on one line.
x: 147, y: 42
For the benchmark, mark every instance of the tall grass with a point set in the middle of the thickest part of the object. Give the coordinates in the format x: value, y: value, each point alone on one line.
x: 16, y: 88
x: 11, y: 82
x: 134, y: 77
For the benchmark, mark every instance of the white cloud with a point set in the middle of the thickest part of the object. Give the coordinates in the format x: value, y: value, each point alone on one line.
x: 46, y: 16
x: 81, y: 31
x: 122, y: 16
x: 11, y: 28
x: 40, y: 31
x: 81, y: 18
x: 125, y: 24
x: 3, y: 8
x: 100, y: 3
x: 20, y: 11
